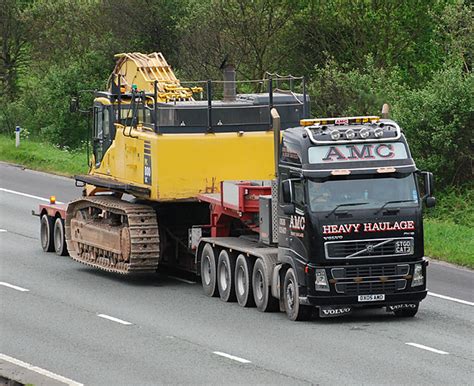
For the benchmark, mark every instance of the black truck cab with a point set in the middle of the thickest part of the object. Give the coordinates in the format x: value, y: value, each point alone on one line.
x: 350, y: 215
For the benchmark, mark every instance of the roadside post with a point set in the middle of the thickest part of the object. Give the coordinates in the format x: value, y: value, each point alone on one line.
x: 17, y: 136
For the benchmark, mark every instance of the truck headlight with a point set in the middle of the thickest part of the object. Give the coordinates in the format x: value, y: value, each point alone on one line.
x: 321, y: 282
x: 418, y: 278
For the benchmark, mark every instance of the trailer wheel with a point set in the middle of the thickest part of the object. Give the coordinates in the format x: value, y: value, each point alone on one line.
x: 225, y: 276
x: 208, y: 271
x: 264, y: 300
x: 243, y: 281
x: 46, y: 233
x: 406, y: 312
x: 294, y: 310
x: 59, y: 239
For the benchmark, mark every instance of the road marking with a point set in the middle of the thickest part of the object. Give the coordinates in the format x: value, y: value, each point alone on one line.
x: 114, y: 319
x: 183, y: 280
x: 427, y: 348
x: 27, y: 195
x: 452, y: 299
x: 223, y: 354
x: 2, y: 230
x: 39, y: 370
x: 15, y: 287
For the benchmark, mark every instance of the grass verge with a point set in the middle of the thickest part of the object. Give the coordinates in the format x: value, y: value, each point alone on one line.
x: 43, y: 156
x: 450, y: 242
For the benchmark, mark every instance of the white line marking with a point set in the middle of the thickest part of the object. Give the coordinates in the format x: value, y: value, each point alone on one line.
x: 39, y: 370
x: 114, y: 319
x: 223, y: 354
x: 15, y: 287
x: 2, y: 230
x: 452, y: 299
x: 27, y: 195
x: 427, y: 348
x: 183, y: 280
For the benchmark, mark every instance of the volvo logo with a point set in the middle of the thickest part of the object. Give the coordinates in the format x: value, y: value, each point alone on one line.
x: 370, y: 248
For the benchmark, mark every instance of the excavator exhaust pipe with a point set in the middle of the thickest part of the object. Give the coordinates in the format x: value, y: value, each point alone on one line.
x: 230, y: 93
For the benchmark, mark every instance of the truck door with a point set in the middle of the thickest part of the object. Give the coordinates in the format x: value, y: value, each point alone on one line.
x: 103, y: 131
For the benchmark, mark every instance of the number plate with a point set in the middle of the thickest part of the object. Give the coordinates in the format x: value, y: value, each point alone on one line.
x: 371, y: 298
x: 404, y: 246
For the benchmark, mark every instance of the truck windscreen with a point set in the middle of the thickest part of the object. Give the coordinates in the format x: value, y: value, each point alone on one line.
x: 372, y: 192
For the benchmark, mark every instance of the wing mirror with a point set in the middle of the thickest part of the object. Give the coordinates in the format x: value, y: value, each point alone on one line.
x: 287, y: 192
x: 430, y: 201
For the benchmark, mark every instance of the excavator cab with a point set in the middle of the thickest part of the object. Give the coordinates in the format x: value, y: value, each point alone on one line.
x: 103, y: 129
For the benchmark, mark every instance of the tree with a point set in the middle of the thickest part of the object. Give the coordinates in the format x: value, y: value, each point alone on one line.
x: 14, y: 29
x: 246, y: 33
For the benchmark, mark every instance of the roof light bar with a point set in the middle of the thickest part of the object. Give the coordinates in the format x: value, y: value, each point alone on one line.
x: 339, y: 121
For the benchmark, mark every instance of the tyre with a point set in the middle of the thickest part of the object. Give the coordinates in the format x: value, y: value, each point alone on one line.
x: 208, y: 271
x: 46, y: 233
x: 225, y: 276
x: 294, y: 310
x: 59, y: 239
x: 264, y: 300
x: 406, y: 312
x: 243, y: 281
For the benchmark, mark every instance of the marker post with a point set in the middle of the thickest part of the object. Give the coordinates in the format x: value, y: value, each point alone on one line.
x: 17, y: 136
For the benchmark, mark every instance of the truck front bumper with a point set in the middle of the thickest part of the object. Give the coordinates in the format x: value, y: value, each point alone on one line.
x: 352, y: 285
x: 352, y: 301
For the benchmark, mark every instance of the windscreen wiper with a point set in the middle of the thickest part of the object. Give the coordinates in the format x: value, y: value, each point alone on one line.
x: 392, y: 202
x: 348, y: 204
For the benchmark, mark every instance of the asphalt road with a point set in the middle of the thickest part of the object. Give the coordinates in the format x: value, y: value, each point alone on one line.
x: 167, y: 331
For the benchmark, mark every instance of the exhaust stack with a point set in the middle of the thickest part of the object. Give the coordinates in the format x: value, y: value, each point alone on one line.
x: 230, y: 92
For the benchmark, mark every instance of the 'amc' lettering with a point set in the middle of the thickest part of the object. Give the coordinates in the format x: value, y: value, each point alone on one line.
x: 368, y: 227
x: 359, y: 152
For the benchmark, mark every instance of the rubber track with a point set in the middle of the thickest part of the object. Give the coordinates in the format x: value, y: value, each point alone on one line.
x: 144, y: 236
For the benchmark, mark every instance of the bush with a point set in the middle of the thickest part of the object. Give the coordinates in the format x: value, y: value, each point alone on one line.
x: 43, y: 105
x: 339, y: 91
x: 438, y: 121
x: 454, y: 205
x: 437, y: 118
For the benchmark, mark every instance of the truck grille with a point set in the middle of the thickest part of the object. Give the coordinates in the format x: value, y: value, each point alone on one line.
x: 372, y: 287
x: 369, y: 248
x: 370, y: 271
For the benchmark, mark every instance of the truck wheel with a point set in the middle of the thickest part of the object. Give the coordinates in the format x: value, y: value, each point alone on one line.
x: 59, y: 239
x: 243, y: 281
x: 264, y: 300
x: 46, y: 233
x: 208, y: 271
x: 225, y: 276
x: 294, y: 310
x: 406, y: 312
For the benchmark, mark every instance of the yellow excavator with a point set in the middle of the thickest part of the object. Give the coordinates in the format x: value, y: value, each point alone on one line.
x: 157, y: 143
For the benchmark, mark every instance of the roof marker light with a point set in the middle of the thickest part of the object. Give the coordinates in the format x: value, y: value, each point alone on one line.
x: 350, y: 134
x: 386, y: 170
x: 341, y: 172
x: 335, y: 135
